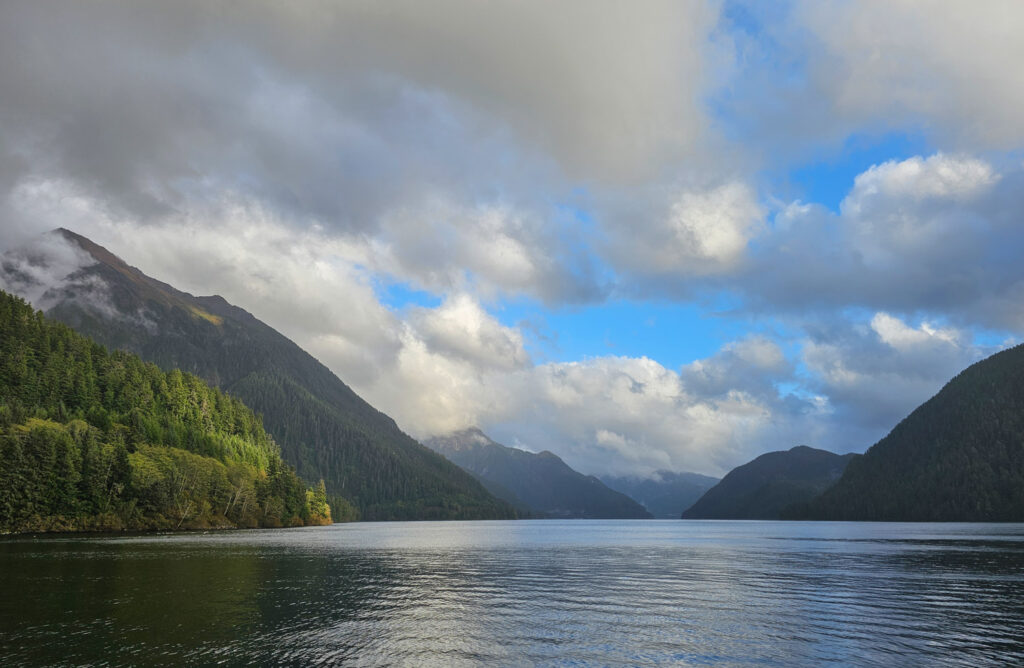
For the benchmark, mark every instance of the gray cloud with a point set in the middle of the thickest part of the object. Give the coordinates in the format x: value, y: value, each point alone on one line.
x: 634, y: 416
x: 812, y: 74
x: 874, y: 374
x: 683, y: 232
x: 45, y: 263
x: 887, y: 62
x: 937, y: 235
x: 357, y: 117
x: 294, y: 156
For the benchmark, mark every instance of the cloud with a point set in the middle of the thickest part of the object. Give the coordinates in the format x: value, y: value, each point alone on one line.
x: 49, y: 269
x: 937, y: 235
x: 939, y: 177
x: 810, y: 75
x: 691, y: 232
x: 934, y: 234
x: 876, y: 374
x: 946, y: 68
x: 296, y: 157
x: 45, y: 263
x: 628, y: 415
x: 340, y: 111
x: 461, y: 328
x: 494, y: 250
x: 752, y: 365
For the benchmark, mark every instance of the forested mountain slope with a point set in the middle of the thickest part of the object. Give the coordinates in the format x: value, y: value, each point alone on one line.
x: 959, y: 457
x: 763, y: 487
x: 541, y: 481
x: 96, y: 440
x: 324, y: 429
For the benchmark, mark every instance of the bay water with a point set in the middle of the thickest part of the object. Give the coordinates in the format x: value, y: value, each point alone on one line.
x: 514, y: 593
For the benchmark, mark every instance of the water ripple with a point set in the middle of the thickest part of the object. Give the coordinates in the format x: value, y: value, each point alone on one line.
x: 522, y: 593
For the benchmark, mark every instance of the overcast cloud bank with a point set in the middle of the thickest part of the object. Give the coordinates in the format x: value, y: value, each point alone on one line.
x: 300, y: 159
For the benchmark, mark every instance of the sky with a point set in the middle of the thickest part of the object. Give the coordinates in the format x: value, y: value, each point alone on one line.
x: 645, y: 236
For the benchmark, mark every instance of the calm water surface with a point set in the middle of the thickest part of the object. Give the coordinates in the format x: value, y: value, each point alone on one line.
x: 522, y: 593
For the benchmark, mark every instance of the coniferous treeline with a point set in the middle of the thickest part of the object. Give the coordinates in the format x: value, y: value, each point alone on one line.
x: 91, y: 439
x: 959, y: 457
x: 763, y: 488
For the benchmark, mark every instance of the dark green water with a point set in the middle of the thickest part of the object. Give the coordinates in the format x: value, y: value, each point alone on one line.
x: 521, y: 593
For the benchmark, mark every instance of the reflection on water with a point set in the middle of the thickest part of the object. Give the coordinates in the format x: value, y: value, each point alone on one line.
x: 509, y: 593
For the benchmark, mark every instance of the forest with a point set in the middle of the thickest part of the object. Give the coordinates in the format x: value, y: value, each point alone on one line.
x: 99, y: 440
x: 959, y: 457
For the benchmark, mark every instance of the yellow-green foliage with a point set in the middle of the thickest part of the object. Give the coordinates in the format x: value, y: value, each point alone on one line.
x: 205, y: 315
x: 316, y: 501
x: 91, y: 439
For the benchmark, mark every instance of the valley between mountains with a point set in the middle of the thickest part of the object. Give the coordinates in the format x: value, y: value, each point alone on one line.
x: 160, y: 409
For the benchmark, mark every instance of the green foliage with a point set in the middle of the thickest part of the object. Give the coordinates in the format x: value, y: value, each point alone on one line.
x: 92, y: 439
x: 959, y: 457
x: 316, y: 501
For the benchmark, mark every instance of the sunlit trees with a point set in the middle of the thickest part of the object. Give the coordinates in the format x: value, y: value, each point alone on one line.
x: 91, y: 439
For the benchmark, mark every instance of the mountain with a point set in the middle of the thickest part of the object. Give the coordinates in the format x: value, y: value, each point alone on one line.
x: 541, y: 481
x: 762, y: 488
x: 325, y: 430
x: 959, y: 457
x: 666, y: 494
x: 97, y: 440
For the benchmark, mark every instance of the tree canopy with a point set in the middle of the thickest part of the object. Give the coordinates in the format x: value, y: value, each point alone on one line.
x: 92, y: 439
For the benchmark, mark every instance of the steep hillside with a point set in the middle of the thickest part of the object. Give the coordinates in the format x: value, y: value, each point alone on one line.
x: 325, y: 430
x: 97, y: 440
x: 959, y: 457
x: 665, y: 495
x: 539, y: 481
x: 762, y: 488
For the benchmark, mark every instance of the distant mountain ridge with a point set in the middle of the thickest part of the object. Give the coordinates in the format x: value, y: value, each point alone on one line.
x: 666, y: 494
x: 959, y: 457
x: 540, y: 482
x: 325, y: 430
x: 765, y: 487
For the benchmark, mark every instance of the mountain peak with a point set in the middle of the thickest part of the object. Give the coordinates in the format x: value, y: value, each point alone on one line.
x: 99, y: 253
x: 541, y: 482
x: 322, y: 426
x: 958, y: 457
x: 766, y: 486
